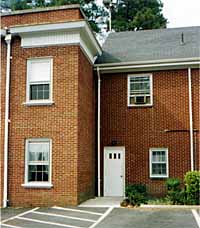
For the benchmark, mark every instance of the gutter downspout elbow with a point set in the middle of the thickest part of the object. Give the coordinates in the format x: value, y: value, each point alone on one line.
x: 98, y: 133
x: 5, y: 189
x: 191, y: 119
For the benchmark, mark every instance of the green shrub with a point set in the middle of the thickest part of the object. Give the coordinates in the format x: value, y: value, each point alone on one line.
x: 136, y: 194
x: 192, y: 182
x: 174, y: 192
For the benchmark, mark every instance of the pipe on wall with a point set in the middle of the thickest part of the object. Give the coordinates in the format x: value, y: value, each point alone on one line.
x: 99, y: 132
x: 191, y: 119
x: 5, y: 189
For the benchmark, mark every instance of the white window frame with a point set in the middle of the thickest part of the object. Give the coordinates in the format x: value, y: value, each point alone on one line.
x: 151, y: 90
x: 38, y: 184
x: 167, y: 162
x: 28, y: 83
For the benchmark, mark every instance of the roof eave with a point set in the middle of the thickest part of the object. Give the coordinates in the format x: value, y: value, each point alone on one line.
x: 149, y: 65
x: 71, y: 25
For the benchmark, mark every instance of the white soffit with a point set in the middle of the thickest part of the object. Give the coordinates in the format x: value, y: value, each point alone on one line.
x: 76, y: 32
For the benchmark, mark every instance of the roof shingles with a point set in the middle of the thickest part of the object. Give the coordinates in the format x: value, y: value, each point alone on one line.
x: 150, y: 45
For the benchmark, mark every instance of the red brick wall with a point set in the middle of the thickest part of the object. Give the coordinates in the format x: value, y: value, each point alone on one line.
x: 139, y: 129
x: 41, y: 17
x: 68, y: 122
x: 58, y: 122
x: 86, y: 130
x: 196, y: 114
x: 2, y: 111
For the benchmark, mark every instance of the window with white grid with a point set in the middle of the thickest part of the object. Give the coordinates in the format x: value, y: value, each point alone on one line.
x: 38, y: 161
x: 159, y: 162
x: 140, y: 90
x: 39, y: 80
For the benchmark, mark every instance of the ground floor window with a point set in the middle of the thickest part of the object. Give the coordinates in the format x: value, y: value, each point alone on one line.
x: 38, y: 161
x: 158, y: 158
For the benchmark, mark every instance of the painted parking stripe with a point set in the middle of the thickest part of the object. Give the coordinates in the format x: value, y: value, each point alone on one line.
x: 50, y: 223
x: 24, y: 213
x: 63, y: 216
x: 6, y: 225
x: 75, y: 210
x: 102, y: 217
x: 196, y: 216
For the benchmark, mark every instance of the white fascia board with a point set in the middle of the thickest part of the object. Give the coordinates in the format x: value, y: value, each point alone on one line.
x: 147, y: 67
x: 3, y: 32
x: 158, y: 61
x: 46, y: 27
x: 66, y: 26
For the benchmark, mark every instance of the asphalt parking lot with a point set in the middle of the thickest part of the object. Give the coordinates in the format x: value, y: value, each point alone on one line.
x: 77, y: 217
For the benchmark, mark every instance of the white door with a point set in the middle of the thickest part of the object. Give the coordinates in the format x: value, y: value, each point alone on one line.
x: 114, y: 171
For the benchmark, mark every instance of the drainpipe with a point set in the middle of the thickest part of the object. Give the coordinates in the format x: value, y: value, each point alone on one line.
x: 5, y: 189
x: 98, y: 133
x: 191, y: 119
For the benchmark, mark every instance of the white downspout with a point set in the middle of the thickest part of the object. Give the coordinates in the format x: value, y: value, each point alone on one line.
x: 5, y: 189
x: 98, y: 133
x: 191, y: 119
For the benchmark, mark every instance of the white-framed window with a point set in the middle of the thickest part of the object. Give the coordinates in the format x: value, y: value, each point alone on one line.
x: 140, y: 90
x: 158, y: 158
x: 38, y: 153
x: 39, y: 80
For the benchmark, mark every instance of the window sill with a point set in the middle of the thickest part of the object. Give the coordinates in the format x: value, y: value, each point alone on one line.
x: 140, y: 106
x: 38, y: 103
x: 37, y: 185
x: 159, y: 177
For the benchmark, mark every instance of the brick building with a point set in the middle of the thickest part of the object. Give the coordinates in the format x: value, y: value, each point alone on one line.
x: 78, y: 120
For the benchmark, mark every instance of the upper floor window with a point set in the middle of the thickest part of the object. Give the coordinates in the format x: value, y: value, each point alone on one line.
x: 38, y: 162
x: 39, y: 80
x: 140, y: 90
x: 159, y: 162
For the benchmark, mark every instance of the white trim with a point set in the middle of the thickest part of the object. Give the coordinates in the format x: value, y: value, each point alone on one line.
x: 46, y: 184
x: 191, y: 119
x: 102, y: 217
x: 81, y: 27
x: 150, y: 75
x: 99, y: 132
x: 39, y: 102
x: 150, y: 163
x: 145, y: 62
x: 122, y: 148
x: 37, y: 185
x: 75, y: 210
x: 6, y: 128
x: 147, y: 67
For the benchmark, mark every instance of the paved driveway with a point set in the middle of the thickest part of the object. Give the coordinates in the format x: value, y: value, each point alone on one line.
x: 77, y: 217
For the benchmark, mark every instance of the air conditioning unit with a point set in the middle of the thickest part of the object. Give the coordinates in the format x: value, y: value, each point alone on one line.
x: 140, y: 99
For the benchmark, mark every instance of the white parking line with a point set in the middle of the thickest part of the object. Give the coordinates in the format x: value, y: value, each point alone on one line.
x: 50, y: 223
x: 75, y: 210
x: 6, y: 225
x: 102, y: 217
x: 64, y: 216
x: 24, y: 213
x: 196, y: 216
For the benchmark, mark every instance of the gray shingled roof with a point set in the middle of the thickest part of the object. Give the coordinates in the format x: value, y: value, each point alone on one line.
x: 157, y: 44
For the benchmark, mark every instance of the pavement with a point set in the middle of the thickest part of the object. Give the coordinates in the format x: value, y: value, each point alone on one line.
x: 99, y: 217
x: 105, y: 201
